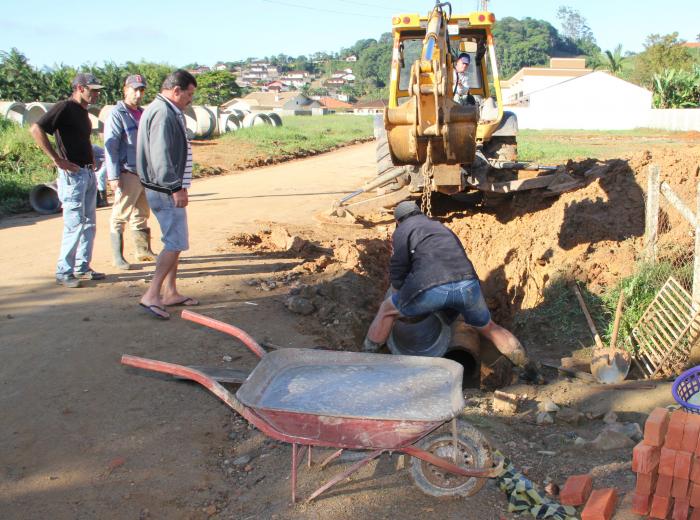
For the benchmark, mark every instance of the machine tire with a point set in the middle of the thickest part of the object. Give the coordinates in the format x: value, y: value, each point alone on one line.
x: 475, y: 452
x: 385, y: 164
x: 503, y: 148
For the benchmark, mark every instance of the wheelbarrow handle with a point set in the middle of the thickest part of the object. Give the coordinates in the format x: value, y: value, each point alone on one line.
x: 243, y: 336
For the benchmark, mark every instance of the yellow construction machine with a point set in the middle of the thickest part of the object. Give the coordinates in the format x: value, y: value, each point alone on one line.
x: 426, y: 140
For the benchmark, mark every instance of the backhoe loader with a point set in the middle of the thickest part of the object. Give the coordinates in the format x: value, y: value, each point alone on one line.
x: 427, y: 141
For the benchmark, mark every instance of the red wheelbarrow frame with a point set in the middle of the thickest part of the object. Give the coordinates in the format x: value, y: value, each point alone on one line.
x: 260, y: 422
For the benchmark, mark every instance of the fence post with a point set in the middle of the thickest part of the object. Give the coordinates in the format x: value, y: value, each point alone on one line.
x: 696, y: 258
x: 651, y: 228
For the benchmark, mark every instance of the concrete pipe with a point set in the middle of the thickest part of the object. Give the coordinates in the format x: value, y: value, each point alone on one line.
x: 228, y: 123
x: 238, y: 113
x: 93, y: 114
x: 200, y: 121
x: 254, y: 119
x: 13, y: 111
x: 216, y: 111
x: 34, y: 111
x: 105, y: 112
x: 465, y: 349
x: 275, y: 118
x: 44, y: 198
x: 427, y: 335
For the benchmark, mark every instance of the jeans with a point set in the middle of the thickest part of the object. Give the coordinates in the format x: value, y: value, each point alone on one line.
x: 78, y: 193
x: 464, y: 297
x: 172, y: 220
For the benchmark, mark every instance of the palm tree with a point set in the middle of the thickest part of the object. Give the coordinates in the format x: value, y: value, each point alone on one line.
x: 615, y: 59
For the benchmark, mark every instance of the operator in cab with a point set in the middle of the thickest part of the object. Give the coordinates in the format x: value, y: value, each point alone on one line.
x: 460, y: 79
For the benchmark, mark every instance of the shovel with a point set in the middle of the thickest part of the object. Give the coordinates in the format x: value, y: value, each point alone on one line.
x: 608, y: 365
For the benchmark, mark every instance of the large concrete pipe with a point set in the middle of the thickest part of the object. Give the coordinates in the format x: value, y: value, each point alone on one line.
x: 34, y: 111
x: 275, y: 118
x: 13, y: 111
x: 427, y: 335
x: 200, y: 121
x: 44, y: 198
x: 465, y: 349
x: 228, y: 123
x: 93, y: 114
x: 239, y: 113
x: 254, y: 119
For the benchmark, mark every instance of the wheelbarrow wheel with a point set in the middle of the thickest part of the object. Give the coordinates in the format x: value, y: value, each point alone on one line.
x: 473, y: 452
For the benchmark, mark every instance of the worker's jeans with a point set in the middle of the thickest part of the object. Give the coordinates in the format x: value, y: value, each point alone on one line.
x: 78, y: 195
x: 464, y: 297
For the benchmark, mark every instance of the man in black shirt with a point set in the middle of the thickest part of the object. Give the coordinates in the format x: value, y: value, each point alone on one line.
x: 69, y: 123
x: 429, y: 272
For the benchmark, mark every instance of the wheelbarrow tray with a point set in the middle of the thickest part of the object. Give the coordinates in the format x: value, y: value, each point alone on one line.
x: 353, y: 400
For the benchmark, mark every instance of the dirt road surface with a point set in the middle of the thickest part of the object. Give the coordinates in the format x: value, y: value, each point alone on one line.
x: 83, y: 437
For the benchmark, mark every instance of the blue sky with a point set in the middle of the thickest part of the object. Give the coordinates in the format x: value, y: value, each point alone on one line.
x: 180, y: 32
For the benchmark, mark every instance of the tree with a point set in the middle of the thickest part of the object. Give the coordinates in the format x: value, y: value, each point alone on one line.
x: 373, y: 65
x: 523, y: 43
x: 614, y: 60
x: 215, y: 88
x: 574, y: 25
x: 677, y: 88
x: 661, y: 53
x: 19, y: 81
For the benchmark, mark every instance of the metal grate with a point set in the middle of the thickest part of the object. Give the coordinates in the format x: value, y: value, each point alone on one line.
x: 662, y: 338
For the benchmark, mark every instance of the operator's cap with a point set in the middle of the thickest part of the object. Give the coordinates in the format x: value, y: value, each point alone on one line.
x: 405, y: 208
x: 465, y: 58
x: 85, y: 79
x: 135, y: 81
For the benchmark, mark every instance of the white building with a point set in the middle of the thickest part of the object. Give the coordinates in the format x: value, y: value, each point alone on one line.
x: 529, y: 79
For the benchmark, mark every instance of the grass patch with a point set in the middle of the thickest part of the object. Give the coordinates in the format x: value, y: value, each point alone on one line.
x: 301, y: 134
x: 22, y: 165
x: 558, y: 146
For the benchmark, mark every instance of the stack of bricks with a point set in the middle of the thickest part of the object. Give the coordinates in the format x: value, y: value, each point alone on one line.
x: 600, y: 503
x: 667, y: 463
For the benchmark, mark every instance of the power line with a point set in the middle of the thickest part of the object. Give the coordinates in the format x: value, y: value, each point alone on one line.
x: 289, y: 4
x: 374, y: 6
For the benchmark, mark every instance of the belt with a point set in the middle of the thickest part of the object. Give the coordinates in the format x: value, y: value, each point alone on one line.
x: 88, y: 166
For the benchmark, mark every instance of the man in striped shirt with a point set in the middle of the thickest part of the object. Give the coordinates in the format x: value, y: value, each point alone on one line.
x: 164, y: 165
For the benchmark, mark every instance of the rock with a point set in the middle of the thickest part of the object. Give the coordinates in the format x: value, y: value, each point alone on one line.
x: 631, y: 429
x: 569, y: 415
x: 243, y: 460
x: 211, y: 510
x: 555, y: 441
x: 547, y: 405
x: 611, y: 440
x: 300, y: 305
x: 552, y: 489
x: 497, y: 375
x: 580, y: 441
x: 544, y: 418
x: 610, y: 417
x: 232, y: 436
x: 308, y: 292
x: 227, y: 358
x: 505, y: 403
x: 248, y: 468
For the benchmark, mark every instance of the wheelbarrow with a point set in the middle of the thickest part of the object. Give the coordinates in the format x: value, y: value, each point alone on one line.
x: 357, y: 401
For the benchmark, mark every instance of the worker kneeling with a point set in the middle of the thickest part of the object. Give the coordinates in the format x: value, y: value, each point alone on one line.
x: 429, y: 272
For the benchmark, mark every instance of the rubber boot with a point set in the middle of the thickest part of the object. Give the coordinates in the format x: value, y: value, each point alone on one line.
x: 118, y: 251
x: 102, y: 201
x: 142, y: 242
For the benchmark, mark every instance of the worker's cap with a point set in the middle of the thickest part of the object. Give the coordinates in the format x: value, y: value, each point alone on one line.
x: 404, y: 209
x: 464, y: 58
x: 135, y: 81
x: 85, y: 79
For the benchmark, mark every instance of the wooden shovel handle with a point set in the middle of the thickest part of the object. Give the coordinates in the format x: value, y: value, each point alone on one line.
x: 591, y: 325
x: 616, y: 323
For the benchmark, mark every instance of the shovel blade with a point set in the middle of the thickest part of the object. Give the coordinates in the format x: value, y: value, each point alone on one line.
x: 610, y: 368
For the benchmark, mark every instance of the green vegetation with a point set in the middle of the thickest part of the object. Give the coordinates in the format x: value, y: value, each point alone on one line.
x: 303, y: 134
x: 22, y: 165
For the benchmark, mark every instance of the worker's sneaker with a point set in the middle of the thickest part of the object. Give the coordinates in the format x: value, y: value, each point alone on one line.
x: 370, y: 346
x: 69, y: 281
x: 90, y: 275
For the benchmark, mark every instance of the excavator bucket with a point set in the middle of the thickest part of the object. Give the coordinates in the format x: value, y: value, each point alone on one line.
x: 430, y: 125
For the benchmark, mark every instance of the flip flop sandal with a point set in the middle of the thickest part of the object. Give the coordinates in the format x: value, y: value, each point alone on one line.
x: 187, y: 302
x: 150, y: 309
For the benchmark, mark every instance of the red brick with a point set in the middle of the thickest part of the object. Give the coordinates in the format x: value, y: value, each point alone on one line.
x: 691, y: 433
x: 640, y: 504
x: 576, y: 490
x: 680, y: 487
x: 660, y: 507
x: 695, y: 495
x: 646, y: 482
x: 667, y: 461
x: 674, y: 434
x: 655, y: 427
x: 695, y: 470
x: 680, y: 509
x: 645, y: 458
x: 600, y: 505
x: 663, y: 486
x: 682, y: 466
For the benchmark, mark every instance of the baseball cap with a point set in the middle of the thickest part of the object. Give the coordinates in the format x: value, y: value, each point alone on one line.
x: 85, y: 79
x: 135, y: 81
x: 464, y: 57
x: 405, y: 208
